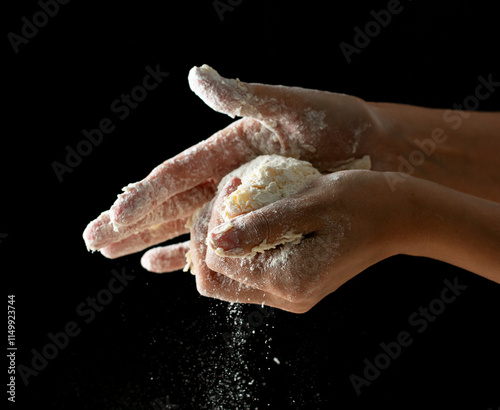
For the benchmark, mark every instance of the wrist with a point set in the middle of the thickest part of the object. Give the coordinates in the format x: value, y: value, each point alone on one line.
x: 423, y: 143
x: 410, y: 228
x: 400, y: 207
x: 444, y: 224
x: 389, y: 139
x: 388, y: 217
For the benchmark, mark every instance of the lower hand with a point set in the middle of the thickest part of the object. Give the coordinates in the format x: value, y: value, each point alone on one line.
x: 349, y: 222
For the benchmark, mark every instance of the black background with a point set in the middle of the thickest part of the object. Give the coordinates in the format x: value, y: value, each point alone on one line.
x: 158, y: 337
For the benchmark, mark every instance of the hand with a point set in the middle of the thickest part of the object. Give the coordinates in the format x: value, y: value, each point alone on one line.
x: 349, y: 221
x: 324, y: 128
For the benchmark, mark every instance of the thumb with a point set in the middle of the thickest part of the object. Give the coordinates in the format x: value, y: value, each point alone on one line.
x: 236, y: 98
x: 284, y: 221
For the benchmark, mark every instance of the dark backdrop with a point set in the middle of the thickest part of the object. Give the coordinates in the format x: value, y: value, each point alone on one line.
x: 158, y: 341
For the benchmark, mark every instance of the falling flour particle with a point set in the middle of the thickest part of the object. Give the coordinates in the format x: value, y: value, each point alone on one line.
x: 276, y: 360
x: 227, y: 377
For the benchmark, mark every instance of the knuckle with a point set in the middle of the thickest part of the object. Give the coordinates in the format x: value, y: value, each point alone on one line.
x: 210, y: 264
x: 301, y: 309
x: 210, y: 260
x: 204, y: 287
x: 297, y: 293
x: 259, y: 228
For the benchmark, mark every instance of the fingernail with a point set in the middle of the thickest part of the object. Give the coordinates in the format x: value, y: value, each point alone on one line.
x: 223, y: 237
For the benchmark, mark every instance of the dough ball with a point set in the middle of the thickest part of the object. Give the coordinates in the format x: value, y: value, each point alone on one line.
x: 264, y: 180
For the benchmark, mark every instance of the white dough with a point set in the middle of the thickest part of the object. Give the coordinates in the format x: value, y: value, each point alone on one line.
x: 266, y: 179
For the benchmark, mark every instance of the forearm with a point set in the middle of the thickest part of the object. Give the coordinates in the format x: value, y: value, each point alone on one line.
x: 458, y: 149
x: 453, y: 227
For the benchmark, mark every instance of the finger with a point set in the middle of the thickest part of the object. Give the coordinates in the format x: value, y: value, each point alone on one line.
x: 233, y: 244
x: 165, y: 258
x: 214, y: 157
x: 208, y: 282
x: 101, y: 232
x: 142, y: 240
x: 214, y: 285
x: 236, y: 98
x: 197, y: 244
x: 284, y: 221
x: 291, y: 272
x: 286, y: 111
